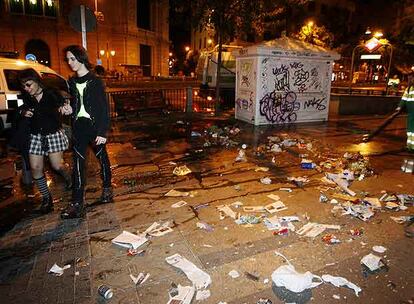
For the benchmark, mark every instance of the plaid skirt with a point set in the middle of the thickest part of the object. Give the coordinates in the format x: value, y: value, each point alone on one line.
x: 50, y: 143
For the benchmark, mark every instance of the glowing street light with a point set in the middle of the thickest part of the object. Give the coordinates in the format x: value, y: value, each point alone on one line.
x: 187, y: 48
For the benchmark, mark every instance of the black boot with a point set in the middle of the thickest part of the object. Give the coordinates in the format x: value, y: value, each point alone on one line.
x: 74, y: 210
x: 47, y: 205
x: 107, y: 196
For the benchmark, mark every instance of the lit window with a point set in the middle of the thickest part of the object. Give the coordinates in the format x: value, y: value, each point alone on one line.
x: 34, y: 7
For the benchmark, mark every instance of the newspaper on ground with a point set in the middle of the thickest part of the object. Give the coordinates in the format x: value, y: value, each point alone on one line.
x: 57, y: 270
x: 129, y: 240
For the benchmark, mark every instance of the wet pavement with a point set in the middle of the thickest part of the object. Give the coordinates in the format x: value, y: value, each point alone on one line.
x: 144, y: 153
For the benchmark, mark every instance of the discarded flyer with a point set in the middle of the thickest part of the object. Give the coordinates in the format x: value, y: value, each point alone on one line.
x: 340, y: 281
x: 57, y: 270
x: 402, y: 219
x: 285, y: 189
x: 280, y: 223
x: 236, y: 204
x: 199, y: 278
x: 140, y: 279
x: 275, y: 207
x: 247, y: 219
x: 129, y: 240
x: 372, y: 261
x: 314, y: 229
x: 179, y: 204
x: 181, y: 170
x: 185, y: 295
x: 175, y: 193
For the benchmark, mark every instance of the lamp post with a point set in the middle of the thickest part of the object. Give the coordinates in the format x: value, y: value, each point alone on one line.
x: 108, y: 53
x: 371, y: 45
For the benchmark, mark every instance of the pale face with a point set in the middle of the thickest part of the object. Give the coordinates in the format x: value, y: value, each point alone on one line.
x: 73, y: 63
x: 32, y: 87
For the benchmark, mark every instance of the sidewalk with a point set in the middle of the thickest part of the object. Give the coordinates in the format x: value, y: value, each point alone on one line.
x: 144, y: 154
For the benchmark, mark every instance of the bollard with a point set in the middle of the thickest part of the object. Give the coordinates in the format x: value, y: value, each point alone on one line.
x: 189, y: 100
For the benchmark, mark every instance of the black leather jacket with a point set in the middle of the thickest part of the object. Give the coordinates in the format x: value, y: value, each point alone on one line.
x: 94, y: 100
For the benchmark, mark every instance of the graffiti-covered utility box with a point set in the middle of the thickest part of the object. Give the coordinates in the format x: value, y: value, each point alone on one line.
x: 283, y: 81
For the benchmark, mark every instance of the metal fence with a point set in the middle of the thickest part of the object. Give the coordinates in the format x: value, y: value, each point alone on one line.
x: 180, y: 99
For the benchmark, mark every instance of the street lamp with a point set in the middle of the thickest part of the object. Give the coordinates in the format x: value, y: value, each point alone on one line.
x: 187, y: 48
x: 371, y: 45
x: 108, y: 53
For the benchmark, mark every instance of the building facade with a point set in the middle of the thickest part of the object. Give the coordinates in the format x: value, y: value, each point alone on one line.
x: 128, y: 33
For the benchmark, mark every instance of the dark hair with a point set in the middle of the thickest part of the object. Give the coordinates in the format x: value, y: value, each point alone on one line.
x: 80, y: 54
x: 30, y: 74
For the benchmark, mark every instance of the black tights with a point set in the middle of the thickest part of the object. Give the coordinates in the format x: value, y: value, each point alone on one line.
x: 84, y: 135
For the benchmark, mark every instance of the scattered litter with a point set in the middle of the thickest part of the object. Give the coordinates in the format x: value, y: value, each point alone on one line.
x: 134, y: 252
x: 129, y: 240
x: 314, y: 229
x: 286, y: 276
x: 241, y: 157
x: 156, y: 229
x: 402, y: 219
x: 202, y: 295
x: 340, y: 281
x: 265, y: 281
x: 379, y: 249
x: 57, y: 270
x: 199, y: 278
x: 307, y: 164
x: 207, y: 246
x: 298, y: 181
x: 175, y: 193
x: 195, y: 134
x: 330, y: 239
x: 205, y: 226
x: 342, y: 181
x: 77, y: 273
x: 275, y: 207
x: 392, y: 206
x: 261, y: 169
x: 337, y: 297
x: 373, y: 202
x: 406, y: 199
x: 179, y: 204
x: 372, y: 261
x: 181, y: 170
x: 105, y: 292
x: 185, y: 295
x: 247, y: 219
x: 225, y: 210
x: 356, y: 232
x: 140, y: 279
x: 236, y: 204
x: 251, y: 276
x: 264, y: 301
x: 333, y: 201
x: 266, y: 180
x: 274, y: 197
x: 285, y: 189
x: 253, y: 209
x: 323, y: 198
x: 234, y: 274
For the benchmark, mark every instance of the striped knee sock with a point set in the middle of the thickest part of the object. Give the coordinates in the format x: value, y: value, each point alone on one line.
x: 42, y: 186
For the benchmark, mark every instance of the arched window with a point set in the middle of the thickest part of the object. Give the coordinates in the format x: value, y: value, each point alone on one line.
x: 40, y: 49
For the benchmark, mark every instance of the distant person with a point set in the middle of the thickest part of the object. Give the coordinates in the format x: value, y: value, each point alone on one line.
x: 394, y: 84
x: 42, y: 106
x: 407, y: 103
x: 90, y: 127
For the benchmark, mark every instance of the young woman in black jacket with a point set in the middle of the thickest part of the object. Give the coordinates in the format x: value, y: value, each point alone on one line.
x: 43, y: 106
x: 90, y: 113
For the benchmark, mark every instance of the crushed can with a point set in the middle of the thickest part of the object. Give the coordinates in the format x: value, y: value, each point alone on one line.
x: 105, y: 291
x: 307, y: 165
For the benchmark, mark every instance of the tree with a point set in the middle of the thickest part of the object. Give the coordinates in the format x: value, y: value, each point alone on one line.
x: 242, y: 19
x: 314, y: 34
